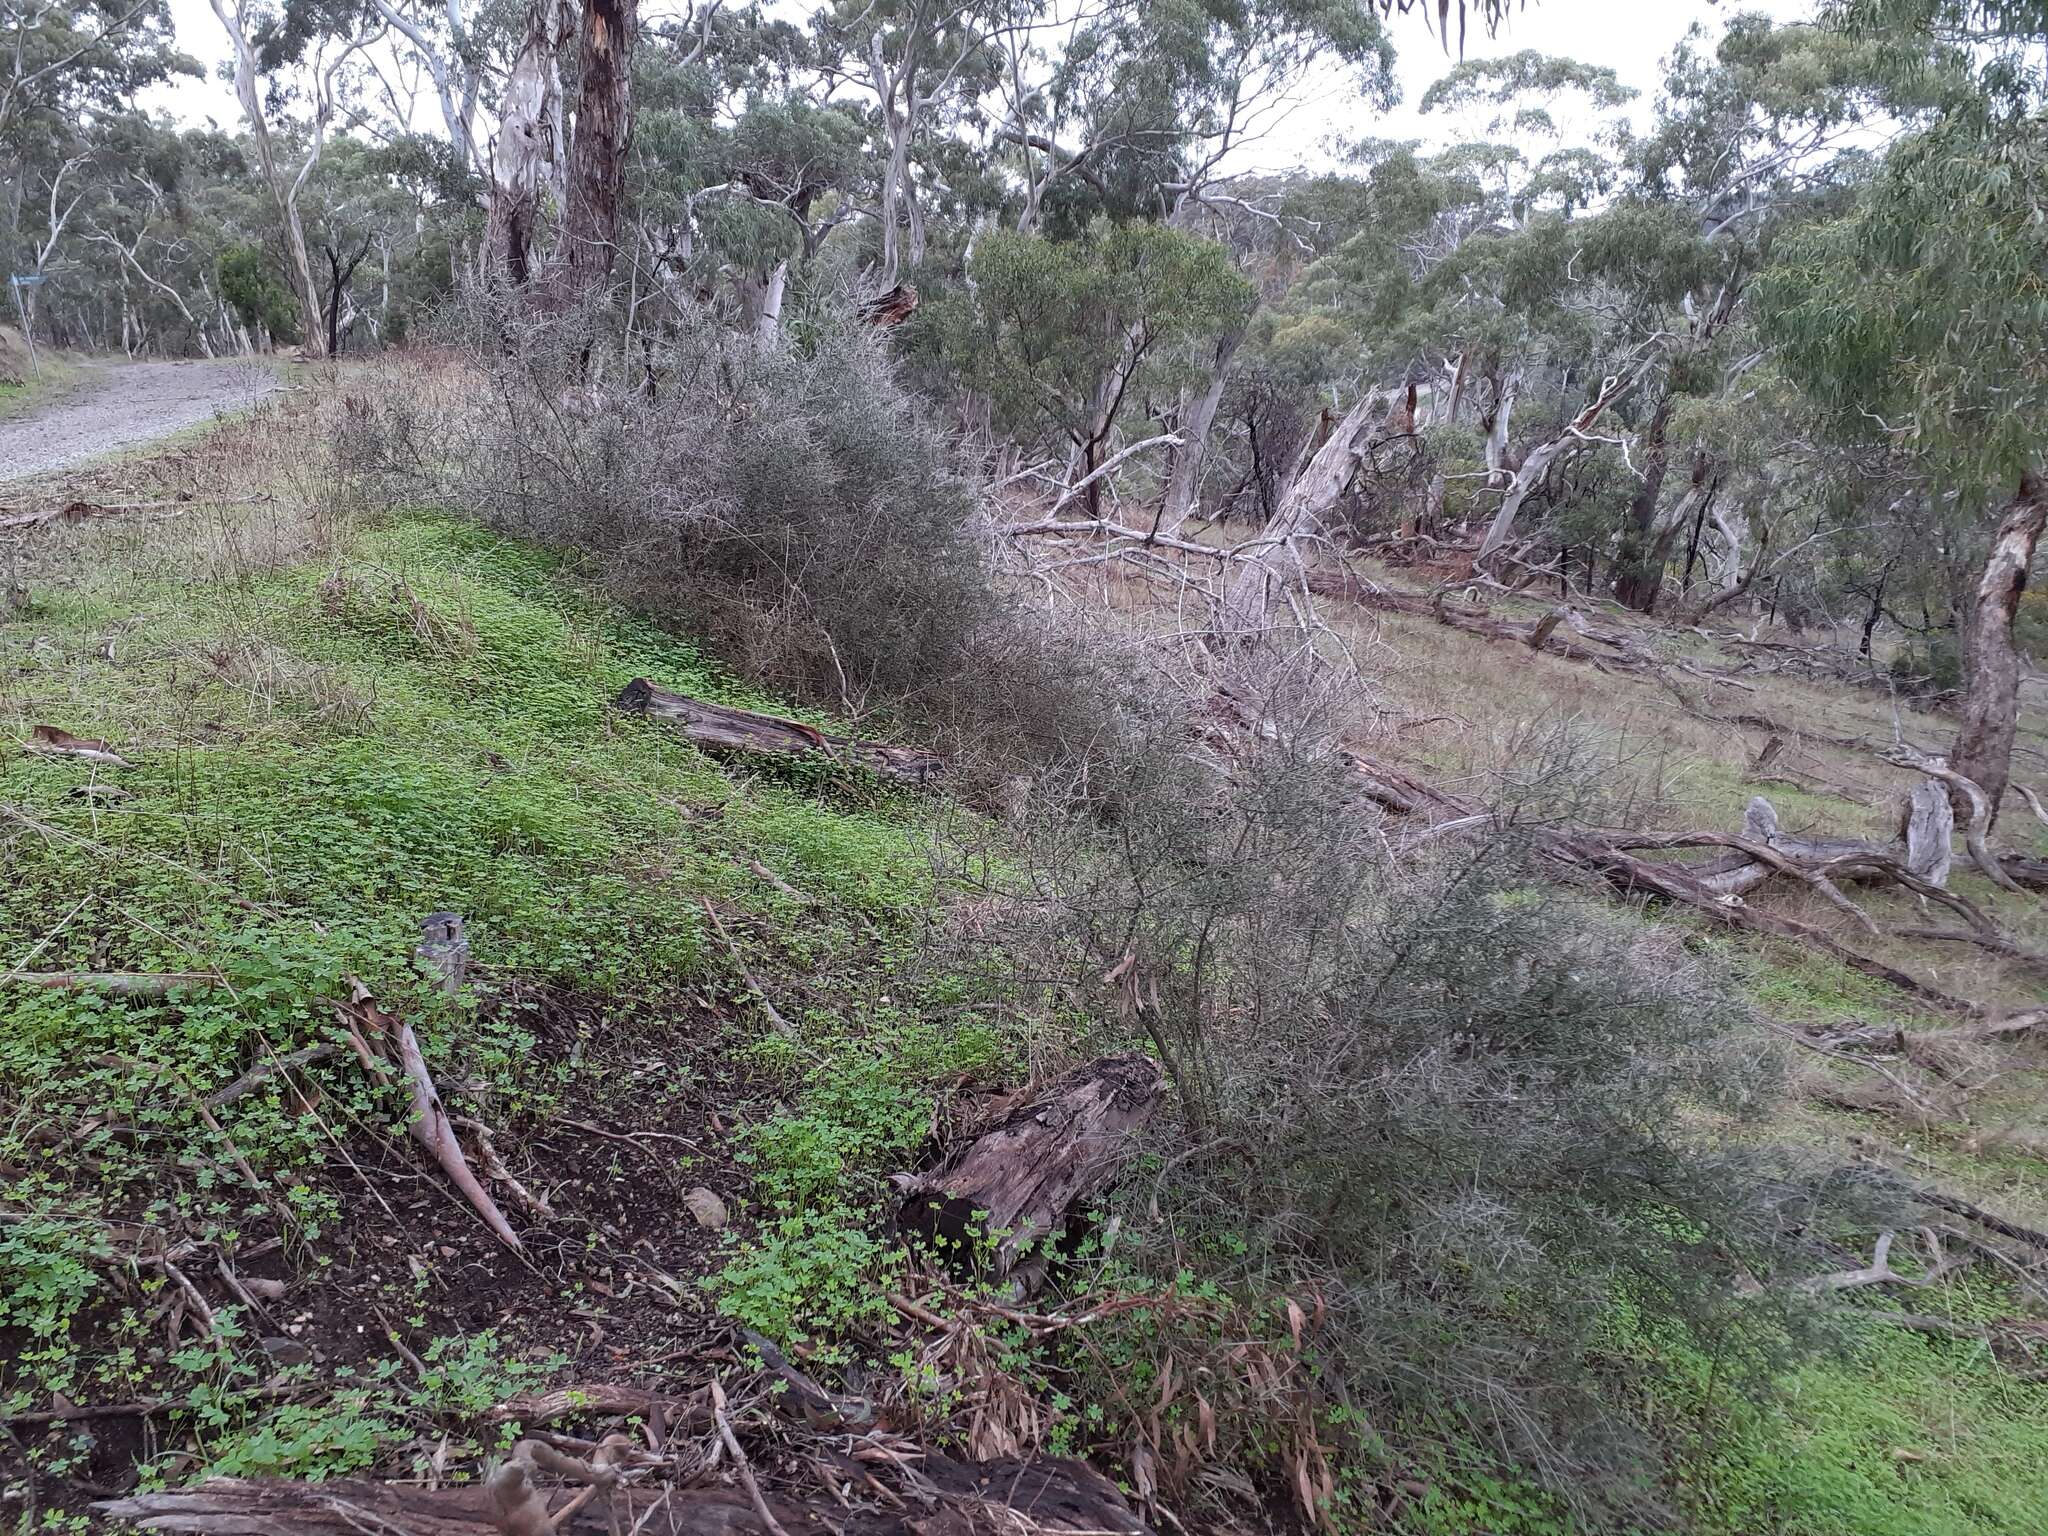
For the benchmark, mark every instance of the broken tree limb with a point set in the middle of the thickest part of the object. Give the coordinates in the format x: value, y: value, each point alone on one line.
x: 119, y: 983
x: 603, y: 1400
x: 1967, y: 792
x: 257, y: 1076
x: 431, y: 1126
x: 721, y: 728
x: 1026, y: 1174
x: 1625, y: 873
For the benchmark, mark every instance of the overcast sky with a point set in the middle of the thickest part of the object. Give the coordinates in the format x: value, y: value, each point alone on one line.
x: 1631, y: 37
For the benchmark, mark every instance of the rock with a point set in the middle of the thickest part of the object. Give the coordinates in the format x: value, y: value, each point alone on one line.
x: 706, y: 1207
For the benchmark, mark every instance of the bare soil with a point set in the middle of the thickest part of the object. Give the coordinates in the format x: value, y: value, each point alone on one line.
x: 123, y: 405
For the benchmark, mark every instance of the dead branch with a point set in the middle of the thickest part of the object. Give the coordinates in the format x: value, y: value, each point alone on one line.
x: 1976, y: 833
x: 256, y: 1077
x: 119, y: 983
x: 431, y: 1126
x: 776, y: 1021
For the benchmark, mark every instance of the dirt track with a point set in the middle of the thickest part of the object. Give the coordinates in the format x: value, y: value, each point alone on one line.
x: 122, y: 404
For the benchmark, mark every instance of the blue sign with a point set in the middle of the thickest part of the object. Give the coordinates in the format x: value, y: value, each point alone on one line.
x: 26, y: 281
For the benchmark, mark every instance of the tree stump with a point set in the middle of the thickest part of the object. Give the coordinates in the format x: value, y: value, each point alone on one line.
x: 1023, y: 1177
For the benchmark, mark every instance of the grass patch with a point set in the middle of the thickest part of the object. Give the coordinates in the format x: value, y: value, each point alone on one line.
x: 320, y: 756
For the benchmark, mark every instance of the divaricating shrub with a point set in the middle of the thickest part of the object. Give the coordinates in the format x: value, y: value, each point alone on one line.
x: 1501, y: 1140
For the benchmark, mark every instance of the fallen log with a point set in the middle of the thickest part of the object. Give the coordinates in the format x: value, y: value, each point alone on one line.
x: 1026, y: 1174
x: 1041, y: 1494
x: 721, y: 728
x: 118, y: 983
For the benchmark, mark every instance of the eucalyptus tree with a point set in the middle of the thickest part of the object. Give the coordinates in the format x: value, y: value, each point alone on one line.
x: 1916, y: 320
x: 924, y: 62
x: 1059, y: 335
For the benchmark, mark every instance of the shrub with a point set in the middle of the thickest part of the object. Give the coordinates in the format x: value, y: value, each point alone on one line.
x: 789, y: 500
x: 1495, y: 1137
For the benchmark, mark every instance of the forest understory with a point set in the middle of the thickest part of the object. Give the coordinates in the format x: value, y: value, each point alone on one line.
x: 711, y: 1005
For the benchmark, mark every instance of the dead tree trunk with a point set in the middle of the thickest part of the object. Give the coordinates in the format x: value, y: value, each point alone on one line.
x: 1991, y: 667
x: 1316, y: 488
x: 1198, y: 415
x: 721, y: 728
x: 604, y: 136
x: 1536, y: 463
x: 1026, y: 1174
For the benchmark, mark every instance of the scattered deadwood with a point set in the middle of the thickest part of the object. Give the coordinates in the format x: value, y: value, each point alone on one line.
x: 721, y: 728
x: 81, y: 511
x: 383, y: 1033
x: 1025, y: 1174
x: 1715, y: 888
x: 944, y: 1498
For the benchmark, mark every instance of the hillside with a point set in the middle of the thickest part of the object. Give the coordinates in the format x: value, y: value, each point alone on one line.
x: 712, y: 1005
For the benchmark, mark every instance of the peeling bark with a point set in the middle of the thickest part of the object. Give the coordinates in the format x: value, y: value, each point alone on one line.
x: 1991, y: 666
x: 1027, y: 1174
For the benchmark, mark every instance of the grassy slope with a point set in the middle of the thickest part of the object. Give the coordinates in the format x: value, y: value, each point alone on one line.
x: 413, y: 719
x: 1910, y: 1435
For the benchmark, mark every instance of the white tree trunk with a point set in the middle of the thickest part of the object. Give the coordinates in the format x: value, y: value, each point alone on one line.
x: 1247, y: 600
x: 286, y: 197
x: 1197, y: 417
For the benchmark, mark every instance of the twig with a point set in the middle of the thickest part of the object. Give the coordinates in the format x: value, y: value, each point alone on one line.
x: 739, y: 1462
x: 776, y: 1021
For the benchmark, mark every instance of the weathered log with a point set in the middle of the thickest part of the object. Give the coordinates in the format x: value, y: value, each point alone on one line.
x: 1042, y: 1494
x: 721, y: 728
x: 1024, y: 1175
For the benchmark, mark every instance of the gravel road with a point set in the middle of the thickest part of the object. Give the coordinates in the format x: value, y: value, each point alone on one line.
x: 119, y: 405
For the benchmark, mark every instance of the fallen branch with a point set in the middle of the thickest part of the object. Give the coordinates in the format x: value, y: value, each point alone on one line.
x: 739, y: 1462
x: 721, y: 728
x: 1975, y: 835
x: 430, y: 1123
x: 776, y: 1021
x: 119, y: 983
x: 603, y: 1400
x: 256, y: 1077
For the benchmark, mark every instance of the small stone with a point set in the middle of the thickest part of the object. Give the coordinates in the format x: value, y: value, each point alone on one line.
x: 706, y: 1207
x: 287, y: 1351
